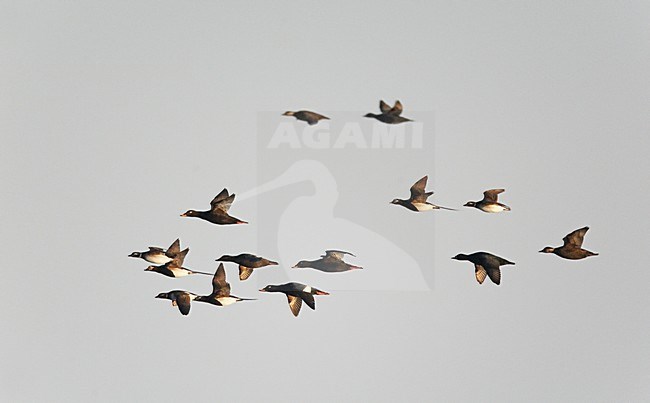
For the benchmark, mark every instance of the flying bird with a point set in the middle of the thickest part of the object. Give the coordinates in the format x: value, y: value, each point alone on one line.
x: 418, y: 199
x: 572, y: 248
x: 220, y: 295
x: 218, y: 213
x: 175, y: 268
x: 158, y: 255
x: 179, y: 298
x: 310, y: 117
x: 485, y: 264
x: 296, y: 293
x: 247, y: 262
x: 330, y: 262
x: 389, y: 115
x: 489, y: 204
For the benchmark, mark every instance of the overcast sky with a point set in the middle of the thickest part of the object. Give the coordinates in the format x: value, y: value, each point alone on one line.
x: 116, y: 117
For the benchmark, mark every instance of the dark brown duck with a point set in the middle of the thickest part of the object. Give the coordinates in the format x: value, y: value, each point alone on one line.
x: 330, y: 262
x: 485, y: 264
x: 572, y: 248
x: 389, y: 115
x: 247, y: 262
x: 218, y: 213
x: 310, y: 117
x: 179, y: 298
x: 296, y: 293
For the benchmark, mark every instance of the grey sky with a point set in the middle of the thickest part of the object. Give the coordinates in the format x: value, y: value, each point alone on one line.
x: 116, y: 117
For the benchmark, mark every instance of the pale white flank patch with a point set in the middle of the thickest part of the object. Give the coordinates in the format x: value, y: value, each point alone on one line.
x: 493, y: 208
x: 178, y: 272
x: 225, y: 301
x: 158, y: 259
x: 423, y: 206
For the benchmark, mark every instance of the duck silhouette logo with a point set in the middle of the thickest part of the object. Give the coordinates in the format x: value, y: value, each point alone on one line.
x: 314, y: 200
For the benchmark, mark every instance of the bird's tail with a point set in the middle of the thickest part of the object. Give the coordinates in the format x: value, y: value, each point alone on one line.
x: 202, y: 272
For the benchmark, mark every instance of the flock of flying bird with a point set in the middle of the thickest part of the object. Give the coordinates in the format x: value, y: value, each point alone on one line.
x: 170, y: 261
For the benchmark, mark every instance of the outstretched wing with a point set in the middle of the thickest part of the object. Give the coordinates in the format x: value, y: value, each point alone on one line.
x: 295, y: 303
x: 183, y: 302
x: 491, y: 195
x: 576, y: 237
x: 220, y: 287
x: 396, y: 109
x: 384, y: 107
x: 222, y: 201
x: 309, y: 300
x: 417, y: 191
x: 244, y: 272
x: 480, y: 273
x: 179, y: 258
x: 336, y: 254
x: 174, y: 249
x: 495, y: 275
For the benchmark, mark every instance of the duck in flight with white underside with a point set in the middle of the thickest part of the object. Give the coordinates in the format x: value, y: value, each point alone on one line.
x: 418, y: 200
